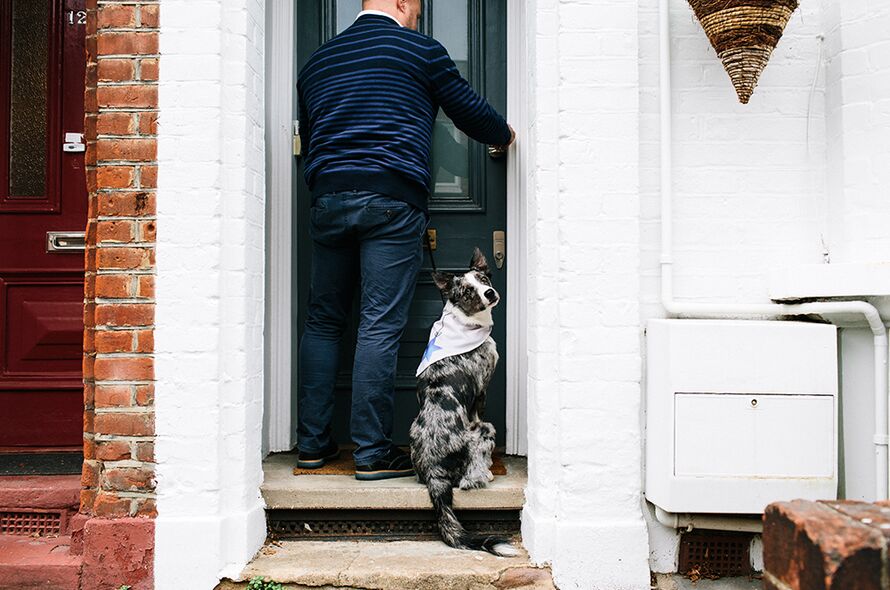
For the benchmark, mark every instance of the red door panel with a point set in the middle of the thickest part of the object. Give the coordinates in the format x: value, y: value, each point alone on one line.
x: 42, y: 191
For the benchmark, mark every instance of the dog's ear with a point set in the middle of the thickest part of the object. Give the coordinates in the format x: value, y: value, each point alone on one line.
x: 478, y: 262
x: 443, y: 280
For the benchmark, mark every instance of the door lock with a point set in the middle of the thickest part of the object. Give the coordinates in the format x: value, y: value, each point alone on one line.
x: 499, y: 247
x: 74, y: 143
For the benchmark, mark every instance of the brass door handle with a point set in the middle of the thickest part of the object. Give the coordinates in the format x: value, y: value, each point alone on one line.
x: 496, y: 152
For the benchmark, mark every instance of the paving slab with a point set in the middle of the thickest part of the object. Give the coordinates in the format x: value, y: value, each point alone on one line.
x: 395, y: 565
x: 282, y: 489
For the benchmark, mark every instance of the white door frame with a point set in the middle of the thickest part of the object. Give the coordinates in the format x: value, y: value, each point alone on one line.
x: 279, y: 102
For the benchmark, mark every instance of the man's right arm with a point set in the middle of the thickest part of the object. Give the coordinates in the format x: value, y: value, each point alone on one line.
x: 471, y: 113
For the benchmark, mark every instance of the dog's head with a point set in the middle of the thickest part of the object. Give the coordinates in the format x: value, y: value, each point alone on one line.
x: 471, y: 292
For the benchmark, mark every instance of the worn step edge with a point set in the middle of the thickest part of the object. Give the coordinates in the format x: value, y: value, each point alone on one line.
x: 283, y: 490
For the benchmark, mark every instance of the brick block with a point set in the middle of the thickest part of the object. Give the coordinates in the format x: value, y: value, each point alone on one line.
x: 125, y: 314
x: 815, y: 546
x: 125, y: 424
x: 116, y: 176
x: 125, y: 258
x: 114, y: 231
x: 148, y: 69
x: 113, y: 450
x: 126, y: 204
x: 124, y: 369
x: 135, y: 96
x: 146, y: 287
x: 115, y: 123
x: 149, y: 16
x: 113, y: 286
x: 127, y: 43
x: 128, y: 479
x: 115, y: 16
x: 149, y: 177
x: 113, y: 396
x: 116, y: 70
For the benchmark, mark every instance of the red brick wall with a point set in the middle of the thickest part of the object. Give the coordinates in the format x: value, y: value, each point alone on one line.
x: 121, y: 158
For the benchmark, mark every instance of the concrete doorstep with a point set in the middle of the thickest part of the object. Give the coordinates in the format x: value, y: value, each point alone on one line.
x: 394, y: 565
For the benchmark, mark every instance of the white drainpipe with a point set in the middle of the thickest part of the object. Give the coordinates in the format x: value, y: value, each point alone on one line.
x: 711, y: 310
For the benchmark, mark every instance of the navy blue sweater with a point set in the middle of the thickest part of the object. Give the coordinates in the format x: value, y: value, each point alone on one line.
x: 368, y: 100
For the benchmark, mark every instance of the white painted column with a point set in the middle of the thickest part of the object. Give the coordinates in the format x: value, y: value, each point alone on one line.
x: 584, y: 513
x: 209, y: 332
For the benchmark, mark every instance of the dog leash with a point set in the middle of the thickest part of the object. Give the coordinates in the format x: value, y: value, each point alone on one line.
x: 429, y: 247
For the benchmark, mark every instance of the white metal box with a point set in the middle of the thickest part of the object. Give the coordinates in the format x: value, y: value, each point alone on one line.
x: 740, y: 414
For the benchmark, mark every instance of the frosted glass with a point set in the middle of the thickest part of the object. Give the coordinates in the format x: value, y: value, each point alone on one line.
x: 27, y: 117
x: 347, y: 10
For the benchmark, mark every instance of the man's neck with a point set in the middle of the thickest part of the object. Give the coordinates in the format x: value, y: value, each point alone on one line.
x: 379, y: 13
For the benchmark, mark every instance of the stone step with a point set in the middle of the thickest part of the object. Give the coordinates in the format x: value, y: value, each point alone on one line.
x: 397, y: 565
x: 282, y: 489
x: 38, y: 562
x: 44, y: 492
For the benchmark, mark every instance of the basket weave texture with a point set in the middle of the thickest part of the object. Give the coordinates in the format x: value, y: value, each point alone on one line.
x: 744, y: 34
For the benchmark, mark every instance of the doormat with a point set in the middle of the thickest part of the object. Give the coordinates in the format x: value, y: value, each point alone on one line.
x: 345, y: 465
x: 41, y: 463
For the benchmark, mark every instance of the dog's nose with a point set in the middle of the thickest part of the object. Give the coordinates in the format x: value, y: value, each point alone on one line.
x: 491, y: 295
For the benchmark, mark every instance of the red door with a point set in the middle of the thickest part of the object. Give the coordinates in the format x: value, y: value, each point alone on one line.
x: 43, y: 212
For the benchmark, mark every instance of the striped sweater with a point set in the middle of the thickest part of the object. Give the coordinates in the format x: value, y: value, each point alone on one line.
x: 368, y: 99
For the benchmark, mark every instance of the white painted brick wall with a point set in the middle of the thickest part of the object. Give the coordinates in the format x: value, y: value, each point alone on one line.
x: 210, y: 290
x: 771, y: 184
x: 858, y: 106
x: 749, y: 186
x: 583, y: 512
x: 749, y: 180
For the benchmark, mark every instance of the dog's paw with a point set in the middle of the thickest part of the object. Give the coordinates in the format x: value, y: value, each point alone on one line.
x: 471, y: 484
x: 490, y: 476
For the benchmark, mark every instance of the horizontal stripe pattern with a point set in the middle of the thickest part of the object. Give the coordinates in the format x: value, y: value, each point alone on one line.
x: 368, y: 100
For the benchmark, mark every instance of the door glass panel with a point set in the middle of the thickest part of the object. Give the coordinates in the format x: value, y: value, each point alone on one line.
x: 347, y: 10
x: 450, y: 165
x: 27, y: 98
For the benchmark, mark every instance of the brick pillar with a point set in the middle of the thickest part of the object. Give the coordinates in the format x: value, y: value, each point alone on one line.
x: 117, y: 500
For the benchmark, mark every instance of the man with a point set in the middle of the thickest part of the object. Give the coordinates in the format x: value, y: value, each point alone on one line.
x: 368, y: 100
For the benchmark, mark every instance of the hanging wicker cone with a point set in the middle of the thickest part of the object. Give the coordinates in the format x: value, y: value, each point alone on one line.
x: 744, y: 34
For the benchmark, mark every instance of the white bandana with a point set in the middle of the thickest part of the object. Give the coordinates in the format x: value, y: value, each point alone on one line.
x: 451, y: 337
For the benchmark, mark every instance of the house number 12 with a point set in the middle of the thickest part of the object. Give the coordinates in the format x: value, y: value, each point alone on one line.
x: 78, y: 17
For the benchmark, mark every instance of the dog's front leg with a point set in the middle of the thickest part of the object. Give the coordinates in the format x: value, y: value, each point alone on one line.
x: 480, y: 446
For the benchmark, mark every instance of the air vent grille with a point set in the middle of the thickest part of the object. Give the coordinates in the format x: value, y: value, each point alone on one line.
x: 33, y: 522
x: 322, y: 525
x: 711, y: 554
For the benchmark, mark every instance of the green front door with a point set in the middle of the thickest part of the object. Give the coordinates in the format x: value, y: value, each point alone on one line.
x: 468, y: 203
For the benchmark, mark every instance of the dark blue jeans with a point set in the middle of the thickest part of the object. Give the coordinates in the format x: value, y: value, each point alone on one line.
x: 373, y: 242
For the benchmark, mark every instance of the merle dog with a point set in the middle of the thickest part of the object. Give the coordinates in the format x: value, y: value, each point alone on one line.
x: 451, y: 445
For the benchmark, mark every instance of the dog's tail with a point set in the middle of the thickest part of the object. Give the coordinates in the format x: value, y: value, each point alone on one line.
x: 453, y: 533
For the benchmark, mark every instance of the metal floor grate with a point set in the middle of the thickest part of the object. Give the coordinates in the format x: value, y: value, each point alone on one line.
x: 331, y: 525
x: 712, y: 554
x: 33, y: 522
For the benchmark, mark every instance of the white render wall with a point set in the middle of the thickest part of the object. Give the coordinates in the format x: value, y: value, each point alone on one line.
x: 583, y: 511
x: 209, y: 318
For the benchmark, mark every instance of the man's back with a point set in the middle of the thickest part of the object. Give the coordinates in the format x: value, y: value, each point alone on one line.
x: 368, y: 102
